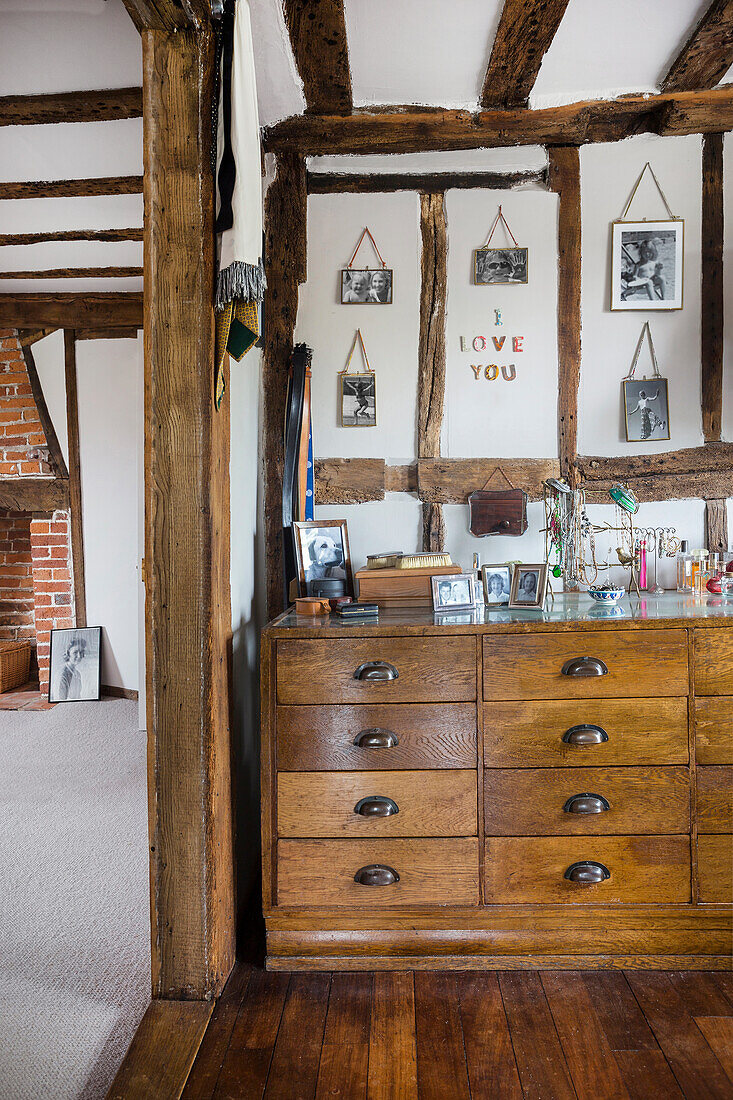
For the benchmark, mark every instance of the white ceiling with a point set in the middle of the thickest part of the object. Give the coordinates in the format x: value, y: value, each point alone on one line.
x: 401, y: 51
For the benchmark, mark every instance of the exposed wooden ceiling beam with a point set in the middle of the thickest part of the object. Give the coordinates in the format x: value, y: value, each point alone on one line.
x: 106, y: 334
x: 317, y: 31
x: 168, y: 15
x: 97, y: 310
x: 707, y: 54
x: 36, y: 110
x: 76, y: 273
x: 34, y: 494
x: 72, y: 189
x: 72, y: 235
x: 325, y: 183
x: 524, y: 35
x: 713, y: 457
x: 410, y: 130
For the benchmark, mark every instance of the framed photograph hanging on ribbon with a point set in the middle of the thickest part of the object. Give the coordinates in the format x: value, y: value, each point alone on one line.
x: 646, y: 400
x: 492, y: 266
x: 358, y: 392
x: 364, y: 286
x: 647, y: 266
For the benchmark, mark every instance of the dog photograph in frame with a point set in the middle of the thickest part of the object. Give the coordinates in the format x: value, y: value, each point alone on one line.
x: 322, y: 553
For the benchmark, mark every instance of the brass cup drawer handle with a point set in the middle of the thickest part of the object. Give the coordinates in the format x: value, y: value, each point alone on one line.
x: 376, y: 805
x: 584, y: 735
x: 376, y: 874
x: 376, y: 670
x: 376, y: 738
x: 586, y: 804
x: 585, y: 666
x: 586, y: 872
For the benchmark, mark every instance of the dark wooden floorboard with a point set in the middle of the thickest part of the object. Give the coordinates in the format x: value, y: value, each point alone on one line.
x: 492, y: 1069
x: 392, y: 1053
x: 587, y: 1052
x: 477, y: 1035
x: 698, y: 1072
x: 542, y: 1067
x: 441, y: 1058
x: 624, y: 1024
x: 295, y: 1060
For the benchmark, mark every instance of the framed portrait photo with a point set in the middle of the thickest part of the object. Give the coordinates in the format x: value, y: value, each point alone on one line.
x: 497, y: 582
x: 647, y: 265
x: 322, y: 554
x: 529, y: 584
x: 76, y: 662
x: 492, y: 266
x: 358, y: 400
x: 452, y: 592
x: 646, y: 410
x: 360, y: 286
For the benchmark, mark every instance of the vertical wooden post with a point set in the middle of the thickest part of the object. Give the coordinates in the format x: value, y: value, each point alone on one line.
x: 716, y: 525
x: 711, y: 344
x: 286, y: 214
x: 75, y: 497
x: 564, y: 178
x: 188, y: 606
x: 431, y: 355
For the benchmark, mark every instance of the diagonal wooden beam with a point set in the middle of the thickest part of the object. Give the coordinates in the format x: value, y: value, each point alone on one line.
x: 407, y: 130
x: 707, y: 54
x: 317, y: 31
x: 524, y: 35
x: 55, y: 454
x: 104, y: 106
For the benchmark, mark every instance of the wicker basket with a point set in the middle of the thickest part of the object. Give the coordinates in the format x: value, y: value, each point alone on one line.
x: 15, y: 659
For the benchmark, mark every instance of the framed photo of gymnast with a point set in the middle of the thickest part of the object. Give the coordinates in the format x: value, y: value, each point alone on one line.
x: 358, y: 400
x: 646, y: 409
x: 647, y: 265
x: 360, y: 286
x: 322, y: 554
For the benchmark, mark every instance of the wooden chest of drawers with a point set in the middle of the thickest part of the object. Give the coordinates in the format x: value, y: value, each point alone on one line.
x: 502, y: 795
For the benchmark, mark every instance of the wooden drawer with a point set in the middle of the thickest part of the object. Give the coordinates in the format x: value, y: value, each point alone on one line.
x: 429, y: 670
x: 431, y: 872
x: 714, y: 661
x: 428, y: 735
x: 640, y: 800
x: 715, y: 799
x: 714, y: 730
x: 530, y: 734
x: 322, y: 804
x: 640, y: 663
x: 715, y: 869
x: 642, y: 869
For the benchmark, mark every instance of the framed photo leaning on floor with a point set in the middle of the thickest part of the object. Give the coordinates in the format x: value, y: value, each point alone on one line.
x: 76, y: 661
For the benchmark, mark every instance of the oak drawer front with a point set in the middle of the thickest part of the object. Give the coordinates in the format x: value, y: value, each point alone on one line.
x: 638, y: 663
x: 715, y: 799
x: 586, y: 802
x: 415, y: 670
x: 713, y: 661
x: 714, y: 730
x: 376, y: 804
x: 585, y: 733
x: 431, y: 872
x: 641, y: 869
x: 715, y: 869
x: 376, y: 736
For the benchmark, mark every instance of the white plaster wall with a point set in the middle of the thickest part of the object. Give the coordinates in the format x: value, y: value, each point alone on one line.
x: 608, y: 174
x: 509, y: 418
x: 390, y: 332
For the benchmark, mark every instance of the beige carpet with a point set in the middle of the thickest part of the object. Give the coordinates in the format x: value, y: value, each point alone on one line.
x: 74, y: 931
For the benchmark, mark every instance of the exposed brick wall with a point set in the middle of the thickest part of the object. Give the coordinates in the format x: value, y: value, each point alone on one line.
x: 16, y: 577
x: 23, y: 445
x: 50, y: 538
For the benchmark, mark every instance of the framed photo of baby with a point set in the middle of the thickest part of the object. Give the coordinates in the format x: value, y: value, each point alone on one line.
x: 647, y: 265
x: 360, y: 286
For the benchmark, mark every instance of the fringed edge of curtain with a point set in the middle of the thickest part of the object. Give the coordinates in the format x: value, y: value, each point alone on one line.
x: 240, y: 280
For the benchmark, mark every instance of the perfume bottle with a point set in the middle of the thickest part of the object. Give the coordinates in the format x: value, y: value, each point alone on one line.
x: 684, y: 568
x: 478, y: 587
x: 699, y: 565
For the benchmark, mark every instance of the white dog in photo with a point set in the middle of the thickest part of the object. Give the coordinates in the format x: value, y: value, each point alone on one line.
x: 325, y: 558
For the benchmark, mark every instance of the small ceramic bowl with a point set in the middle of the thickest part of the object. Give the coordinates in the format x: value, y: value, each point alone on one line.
x: 606, y: 595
